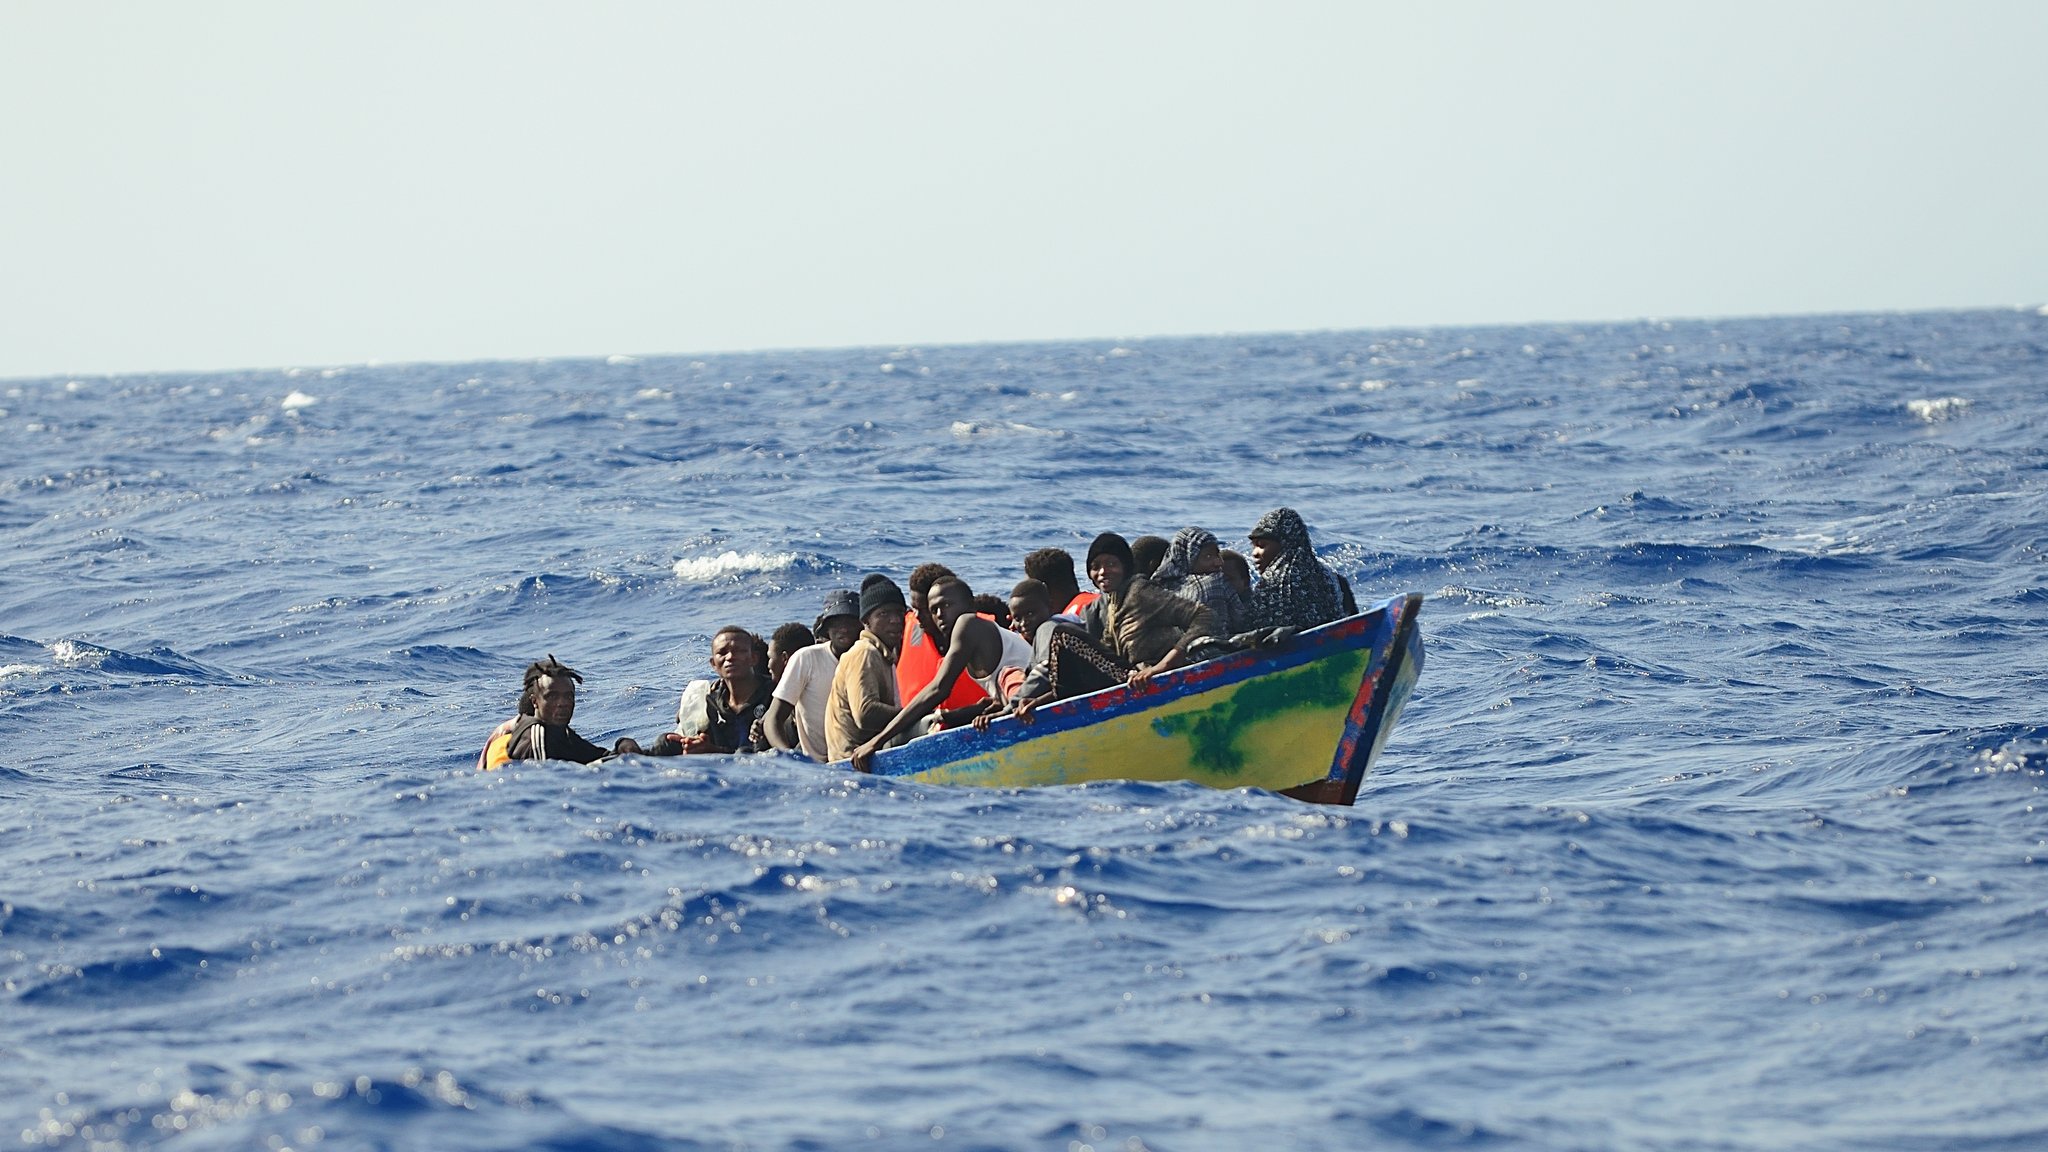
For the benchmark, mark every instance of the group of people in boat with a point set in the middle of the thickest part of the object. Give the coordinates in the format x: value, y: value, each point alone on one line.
x: 876, y: 669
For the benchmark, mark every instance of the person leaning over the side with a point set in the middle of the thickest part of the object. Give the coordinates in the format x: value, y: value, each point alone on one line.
x: 976, y: 648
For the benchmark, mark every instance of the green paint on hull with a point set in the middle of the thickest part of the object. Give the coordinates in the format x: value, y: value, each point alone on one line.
x: 1215, y: 733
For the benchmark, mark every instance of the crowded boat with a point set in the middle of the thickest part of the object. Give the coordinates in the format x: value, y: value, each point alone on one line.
x: 878, y: 667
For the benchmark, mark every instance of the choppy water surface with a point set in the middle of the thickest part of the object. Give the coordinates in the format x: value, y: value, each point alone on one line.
x: 1713, y: 823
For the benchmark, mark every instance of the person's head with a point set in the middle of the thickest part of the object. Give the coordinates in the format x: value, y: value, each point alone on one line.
x: 840, y: 623
x: 1236, y: 570
x: 1109, y: 562
x: 550, y: 692
x: 733, y: 656
x: 1208, y: 559
x: 1192, y: 552
x: 922, y: 578
x: 950, y: 601
x: 1054, y: 568
x: 882, y: 608
x: 1278, y: 531
x: 783, y: 644
x: 1030, y: 606
x: 1146, y: 553
x: 988, y: 603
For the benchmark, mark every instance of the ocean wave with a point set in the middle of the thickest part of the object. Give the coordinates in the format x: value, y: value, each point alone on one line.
x: 731, y: 563
x: 1728, y: 732
x: 1485, y: 597
x: 1935, y: 410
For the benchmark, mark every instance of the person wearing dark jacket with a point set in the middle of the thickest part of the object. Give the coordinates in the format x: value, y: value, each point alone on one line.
x: 541, y: 730
x: 1135, y: 631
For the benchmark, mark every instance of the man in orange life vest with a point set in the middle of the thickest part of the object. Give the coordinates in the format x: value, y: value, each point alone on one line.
x: 978, y: 650
x: 1054, y: 568
x: 924, y: 646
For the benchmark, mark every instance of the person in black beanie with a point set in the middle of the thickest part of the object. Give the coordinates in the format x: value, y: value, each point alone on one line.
x: 864, y: 684
x: 1134, y: 632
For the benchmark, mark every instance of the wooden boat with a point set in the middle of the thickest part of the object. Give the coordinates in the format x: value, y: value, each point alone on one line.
x: 1305, y: 718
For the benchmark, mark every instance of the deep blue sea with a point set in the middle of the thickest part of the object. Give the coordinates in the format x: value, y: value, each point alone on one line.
x: 1715, y: 822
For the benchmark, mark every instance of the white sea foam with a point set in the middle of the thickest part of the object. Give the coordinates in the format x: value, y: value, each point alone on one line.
x: 700, y: 569
x: 1938, y: 409
x: 965, y: 428
x: 298, y: 400
x: 1485, y: 597
x: 72, y: 652
x: 7, y: 670
x: 618, y: 360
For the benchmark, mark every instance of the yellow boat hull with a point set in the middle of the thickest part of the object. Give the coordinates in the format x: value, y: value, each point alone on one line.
x: 1307, y: 718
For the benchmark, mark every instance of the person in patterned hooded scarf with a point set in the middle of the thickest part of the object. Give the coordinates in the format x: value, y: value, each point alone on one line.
x: 1193, y: 569
x: 1295, y: 589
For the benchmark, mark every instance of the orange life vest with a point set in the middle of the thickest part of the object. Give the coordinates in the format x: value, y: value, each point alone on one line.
x: 1081, y: 600
x: 919, y: 662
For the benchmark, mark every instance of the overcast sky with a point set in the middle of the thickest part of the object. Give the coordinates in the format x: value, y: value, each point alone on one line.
x: 222, y: 185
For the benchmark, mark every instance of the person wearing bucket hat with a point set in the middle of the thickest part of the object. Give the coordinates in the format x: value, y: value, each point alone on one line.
x: 796, y: 713
x: 863, y: 698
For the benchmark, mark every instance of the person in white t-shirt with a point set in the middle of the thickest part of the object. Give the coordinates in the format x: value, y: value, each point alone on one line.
x: 796, y: 712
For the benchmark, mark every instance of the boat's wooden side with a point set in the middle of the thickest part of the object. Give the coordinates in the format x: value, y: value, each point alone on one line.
x: 1307, y: 719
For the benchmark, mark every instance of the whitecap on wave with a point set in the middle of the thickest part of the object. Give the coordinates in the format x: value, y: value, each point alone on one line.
x: 1938, y: 409
x: 9, y: 670
x: 298, y: 400
x: 973, y: 428
x: 700, y: 569
x: 1486, y: 597
x: 72, y: 652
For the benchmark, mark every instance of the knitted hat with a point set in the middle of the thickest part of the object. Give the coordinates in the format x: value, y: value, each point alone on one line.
x: 1116, y: 546
x: 878, y: 591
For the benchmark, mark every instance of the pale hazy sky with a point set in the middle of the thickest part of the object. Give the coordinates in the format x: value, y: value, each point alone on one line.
x: 221, y: 185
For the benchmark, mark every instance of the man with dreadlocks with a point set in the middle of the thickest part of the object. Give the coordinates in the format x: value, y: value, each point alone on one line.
x: 541, y: 730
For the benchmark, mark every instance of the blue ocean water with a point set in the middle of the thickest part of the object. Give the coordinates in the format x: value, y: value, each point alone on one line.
x: 1712, y: 823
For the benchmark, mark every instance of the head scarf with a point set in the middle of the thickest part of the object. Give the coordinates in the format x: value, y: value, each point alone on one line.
x: 1295, y: 590
x: 1187, y: 547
